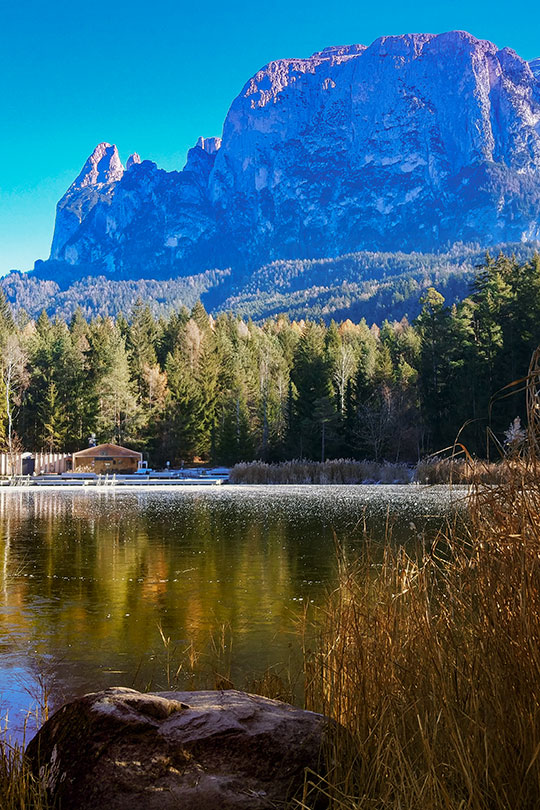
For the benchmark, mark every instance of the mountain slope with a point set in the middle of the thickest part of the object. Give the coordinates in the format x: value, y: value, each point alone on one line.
x: 366, y: 284
x: 414, y: 143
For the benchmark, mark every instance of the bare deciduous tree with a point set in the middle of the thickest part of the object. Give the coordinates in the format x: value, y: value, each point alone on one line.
x: 15, y: 378
x: 343, y: 371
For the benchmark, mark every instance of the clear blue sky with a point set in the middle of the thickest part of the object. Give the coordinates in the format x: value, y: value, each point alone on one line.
x: 151, y: 77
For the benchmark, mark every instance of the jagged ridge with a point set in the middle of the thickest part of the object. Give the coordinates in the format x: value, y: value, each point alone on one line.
x: 415, y: 143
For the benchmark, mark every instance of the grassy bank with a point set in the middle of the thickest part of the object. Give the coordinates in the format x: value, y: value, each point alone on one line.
x: 431, y: 665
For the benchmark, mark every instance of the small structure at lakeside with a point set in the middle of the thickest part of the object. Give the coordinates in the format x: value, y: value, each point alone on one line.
x: 101, y: 466
x: 107, y: 458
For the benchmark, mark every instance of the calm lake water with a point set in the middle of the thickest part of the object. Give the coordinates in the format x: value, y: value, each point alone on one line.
x: 88, y: 578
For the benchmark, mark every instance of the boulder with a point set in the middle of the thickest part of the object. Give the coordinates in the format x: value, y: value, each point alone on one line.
x: 210, y: 750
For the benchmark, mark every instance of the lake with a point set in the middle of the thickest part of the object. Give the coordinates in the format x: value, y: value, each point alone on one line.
x: 93, y: 581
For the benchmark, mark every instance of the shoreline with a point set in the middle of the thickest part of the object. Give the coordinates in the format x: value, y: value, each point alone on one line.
x: 221, y: 487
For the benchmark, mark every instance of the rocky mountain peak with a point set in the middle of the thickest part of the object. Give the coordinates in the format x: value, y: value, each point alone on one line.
x: 534, y: 65
x: 201, y: 159
x: 339, y: 50
x: 132, y: 159
x: 102, y: 167
x: 420, y: 140
x: 210, y: 145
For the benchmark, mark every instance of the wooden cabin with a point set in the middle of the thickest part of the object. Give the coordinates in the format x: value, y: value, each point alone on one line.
x: 106, y: 458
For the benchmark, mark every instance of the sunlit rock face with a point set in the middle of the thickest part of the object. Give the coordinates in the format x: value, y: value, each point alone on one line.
x: 139, y: 224
x: 415, y: 142
x: 95, y: 184
x: 534, y: 65
x: 132, y: 160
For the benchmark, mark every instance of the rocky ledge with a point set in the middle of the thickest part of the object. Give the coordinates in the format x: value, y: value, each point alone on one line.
x: 196, y: 750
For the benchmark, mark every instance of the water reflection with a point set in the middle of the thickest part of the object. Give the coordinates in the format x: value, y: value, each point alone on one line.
x: 89, y: 578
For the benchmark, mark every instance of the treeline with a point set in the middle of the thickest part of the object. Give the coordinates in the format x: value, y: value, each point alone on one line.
x: 367, y: 284
x: 101, y: 295
x: 189, y: 385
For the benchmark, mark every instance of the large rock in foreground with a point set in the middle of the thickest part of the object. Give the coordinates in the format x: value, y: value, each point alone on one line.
x: 195, y: 750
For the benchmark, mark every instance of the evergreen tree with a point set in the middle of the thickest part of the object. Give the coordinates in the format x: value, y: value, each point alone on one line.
x: 434, y: 325
x: 184, y: 408
x: 311, y: 374
x: 46, y: 406
x: 188, y: 385
x: 79, y: 385
x: 117, y: 411
x: 140, y: 344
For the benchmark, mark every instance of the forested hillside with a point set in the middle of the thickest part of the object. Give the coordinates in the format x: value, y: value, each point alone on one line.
x: 370, y: 285
x: 190, y: 385
x: 93, y: 296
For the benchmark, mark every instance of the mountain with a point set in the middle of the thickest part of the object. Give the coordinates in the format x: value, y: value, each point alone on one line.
x: 415, y: 143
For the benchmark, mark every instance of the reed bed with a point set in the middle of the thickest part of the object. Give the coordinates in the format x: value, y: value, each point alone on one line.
x: 466, y: 470
x: 429, y: 662
x: 19, y: 788
x: 336, y: 471
x: 433, y: 470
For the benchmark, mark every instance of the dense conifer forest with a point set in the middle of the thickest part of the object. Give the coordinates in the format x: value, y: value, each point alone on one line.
x: 188, y: 385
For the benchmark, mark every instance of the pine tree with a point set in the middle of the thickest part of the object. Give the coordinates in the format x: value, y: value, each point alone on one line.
x: 434, y: 327
x: 117, y: 411
x: 47, y: 400
x: 311, y: 374
x: 184, y: 409
x: 140, y: 344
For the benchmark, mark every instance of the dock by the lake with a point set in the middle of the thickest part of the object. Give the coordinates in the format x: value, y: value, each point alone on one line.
x: 173, y: 478
x: 104, y: 465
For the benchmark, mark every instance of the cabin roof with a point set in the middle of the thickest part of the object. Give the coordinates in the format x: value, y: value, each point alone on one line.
x: 108, y: 451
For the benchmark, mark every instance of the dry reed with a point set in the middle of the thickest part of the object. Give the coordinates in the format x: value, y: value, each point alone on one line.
x: 432, y: 470
x: 436, y: 470
x: 335, y: 471
x: 19, y: 788
x: 430, y: 662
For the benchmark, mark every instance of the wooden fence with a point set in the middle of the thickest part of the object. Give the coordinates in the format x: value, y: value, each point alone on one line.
x: 28, y: 463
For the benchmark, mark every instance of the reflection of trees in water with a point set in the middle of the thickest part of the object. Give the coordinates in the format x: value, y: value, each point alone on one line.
x: 97, y: 582
x: 88, y: 579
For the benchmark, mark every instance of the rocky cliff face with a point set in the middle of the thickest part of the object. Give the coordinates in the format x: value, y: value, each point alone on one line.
x: 413, y: 143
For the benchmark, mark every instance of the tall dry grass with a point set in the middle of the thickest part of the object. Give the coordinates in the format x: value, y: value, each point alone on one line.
x: 19, y: 789
x: 432, y: 470
x: 430, y: 663
x: 466, y: 470
x: 335, y: 471
x: 432, y: 667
